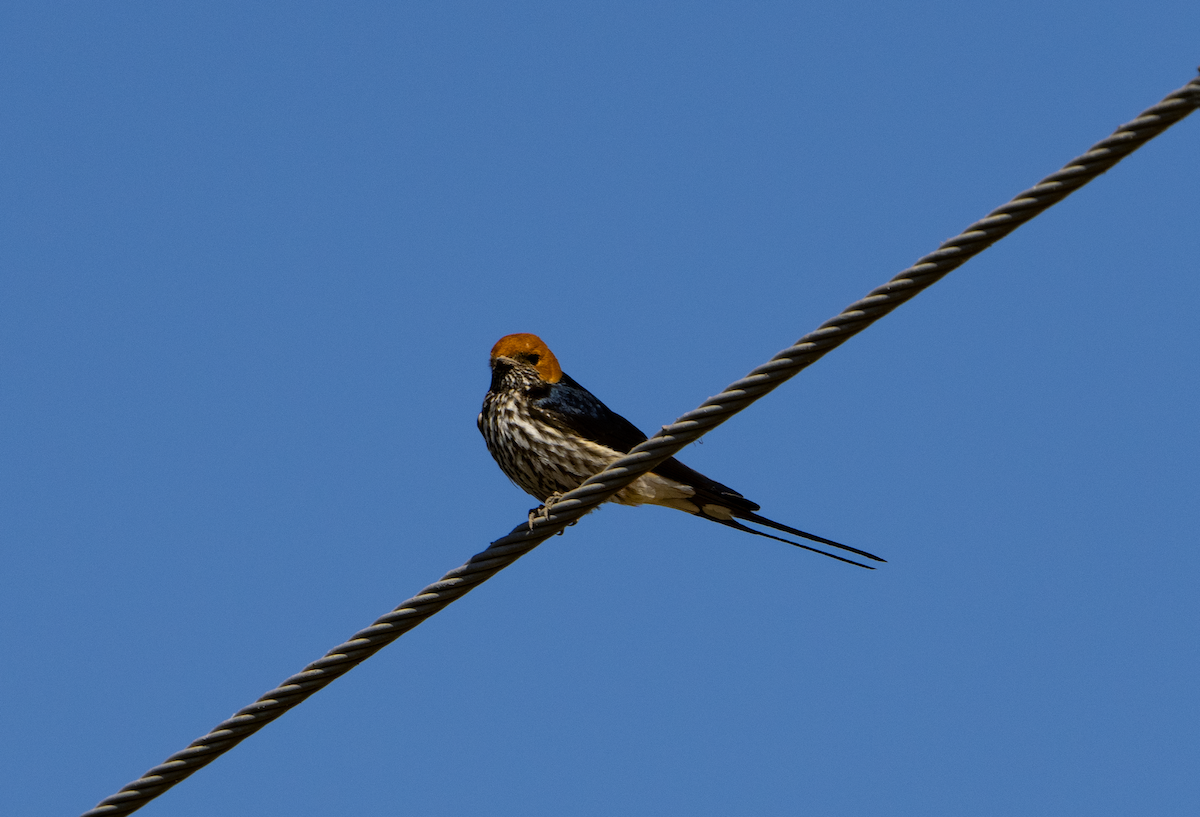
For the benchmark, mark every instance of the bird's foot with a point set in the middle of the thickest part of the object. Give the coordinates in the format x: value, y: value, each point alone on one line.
x: 543, y: 512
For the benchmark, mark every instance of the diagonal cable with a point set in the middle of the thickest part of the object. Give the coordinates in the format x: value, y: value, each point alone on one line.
x: 688, y: 428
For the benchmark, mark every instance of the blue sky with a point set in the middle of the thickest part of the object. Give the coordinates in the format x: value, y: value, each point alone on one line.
x: 254, y: 260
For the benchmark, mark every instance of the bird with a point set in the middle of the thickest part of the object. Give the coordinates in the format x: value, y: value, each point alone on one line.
x: 548, y: 434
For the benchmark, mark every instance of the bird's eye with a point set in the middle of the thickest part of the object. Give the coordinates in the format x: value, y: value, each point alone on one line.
x: 534, y: 358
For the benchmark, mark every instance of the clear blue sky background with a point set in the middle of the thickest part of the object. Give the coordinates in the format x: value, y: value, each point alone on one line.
x: 254, y: 256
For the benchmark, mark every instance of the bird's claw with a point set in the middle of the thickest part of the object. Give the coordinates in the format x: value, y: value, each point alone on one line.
x: 543, y: 512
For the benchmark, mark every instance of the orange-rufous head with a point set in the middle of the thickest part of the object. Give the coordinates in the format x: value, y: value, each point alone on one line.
x: 529, y: 349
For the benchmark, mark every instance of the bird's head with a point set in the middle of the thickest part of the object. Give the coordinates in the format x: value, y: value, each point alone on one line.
x: 528, y: 353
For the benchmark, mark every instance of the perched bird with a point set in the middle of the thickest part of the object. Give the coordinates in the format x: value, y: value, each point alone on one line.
x: 549, y: 434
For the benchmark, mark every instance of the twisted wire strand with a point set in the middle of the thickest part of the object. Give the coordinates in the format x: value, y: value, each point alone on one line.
x: 685, y: 430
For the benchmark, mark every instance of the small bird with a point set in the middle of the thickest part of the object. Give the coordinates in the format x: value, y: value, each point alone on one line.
x: 548, y: 434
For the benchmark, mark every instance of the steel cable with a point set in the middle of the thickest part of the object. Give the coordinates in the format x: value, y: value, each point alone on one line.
x: 688, y: 428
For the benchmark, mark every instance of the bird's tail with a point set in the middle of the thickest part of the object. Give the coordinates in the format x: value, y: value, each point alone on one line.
x: 709, y: 495
x: 770, y: 523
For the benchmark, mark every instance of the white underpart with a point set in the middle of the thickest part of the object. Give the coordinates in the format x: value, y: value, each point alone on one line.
x: 648, y: 489
x: 543, y: 461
